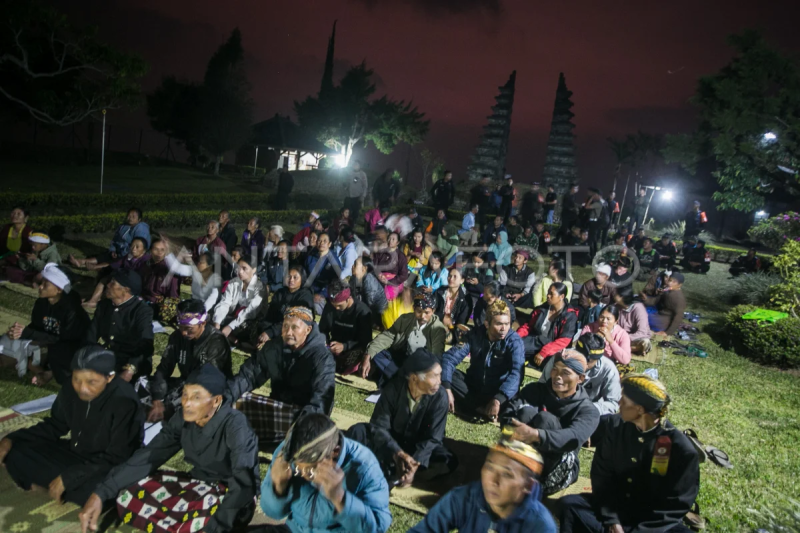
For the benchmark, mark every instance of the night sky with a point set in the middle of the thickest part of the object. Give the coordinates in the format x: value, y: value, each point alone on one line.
x: 449, y: 56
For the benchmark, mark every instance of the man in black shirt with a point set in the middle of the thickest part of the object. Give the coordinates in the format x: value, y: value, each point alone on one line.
x: 481, y: 196
x: 570, y: 208
x: 347, y: 326
x: 227, y: 234
x: 667, y: 251
x: 507, y: 194
x: 444, y: 192
x: 550, y: 203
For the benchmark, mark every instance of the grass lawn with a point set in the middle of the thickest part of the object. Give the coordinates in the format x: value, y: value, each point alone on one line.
x: 745, y: 409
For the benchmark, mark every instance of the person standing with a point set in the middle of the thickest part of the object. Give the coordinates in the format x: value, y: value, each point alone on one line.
x: 481, y: 196
x: 386, y: 189
x: 570, y: 208
x: 594, y: 210
x: 550, y: 203
x: 640, y: 208
x: 357, y: 186
x: 507, y: 195
x: 696, y: 220
x: 613, y: 212
x: 444, y: 192
x: 285, y: 186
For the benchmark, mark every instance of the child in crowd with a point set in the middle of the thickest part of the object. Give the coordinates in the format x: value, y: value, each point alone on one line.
x: 433, y: 275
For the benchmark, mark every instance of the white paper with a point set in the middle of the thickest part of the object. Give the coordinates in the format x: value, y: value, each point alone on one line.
x: 151, y: 431
x: 35, y: 406
x: 373, y: 398
x: 157, y: 327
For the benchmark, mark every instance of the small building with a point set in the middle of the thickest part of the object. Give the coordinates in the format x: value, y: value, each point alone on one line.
x: 285, y: 140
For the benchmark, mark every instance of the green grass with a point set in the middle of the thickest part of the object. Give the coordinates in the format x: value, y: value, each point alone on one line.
x: 747, y: 410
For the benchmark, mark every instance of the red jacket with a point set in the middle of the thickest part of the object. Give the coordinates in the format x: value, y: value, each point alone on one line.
x: 561, y: 332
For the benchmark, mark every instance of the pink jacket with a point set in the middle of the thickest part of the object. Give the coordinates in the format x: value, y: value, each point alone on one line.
x: 373, y: 219
x: 620, y: 349
x: 634, y: 321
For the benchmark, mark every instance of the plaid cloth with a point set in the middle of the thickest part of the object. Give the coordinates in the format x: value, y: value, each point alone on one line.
x: 270, y: 419
x: 169, y: 502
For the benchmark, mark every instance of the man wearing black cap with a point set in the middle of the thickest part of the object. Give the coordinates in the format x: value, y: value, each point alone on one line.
x: 301, y: 371
x: 407, y: 426
x: 123, y: 323
x: 667, y: 251
x: 556, y: 417
x: 194, y: 344
x: 421, y: 329
x: 602, y: 377
x: 105, y: 422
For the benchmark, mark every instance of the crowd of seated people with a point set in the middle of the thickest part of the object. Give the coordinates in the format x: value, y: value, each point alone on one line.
x: 455, y: 346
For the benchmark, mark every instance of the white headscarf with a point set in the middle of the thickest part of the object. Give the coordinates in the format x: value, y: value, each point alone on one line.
x: 56, y: 276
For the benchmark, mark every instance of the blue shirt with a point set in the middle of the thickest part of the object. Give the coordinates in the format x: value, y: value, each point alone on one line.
x: 467, y: 223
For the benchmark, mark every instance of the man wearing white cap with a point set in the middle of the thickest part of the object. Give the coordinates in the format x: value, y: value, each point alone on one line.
x: 30, y: 265
x: 58, y: 323
x: 599, y: 282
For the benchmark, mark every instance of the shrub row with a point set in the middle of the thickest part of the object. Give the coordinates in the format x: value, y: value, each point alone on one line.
x: 42, y: 201
x: 770, y: 344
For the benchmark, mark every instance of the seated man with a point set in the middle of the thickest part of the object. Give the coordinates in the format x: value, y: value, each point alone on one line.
x: 120, y: 243
x: 28, y: 270
x: 406, y: 429
x: 645, y: 474
x: 194, y: 344
x: 637, y: 241
x: 518, y: 279
x: 602, y: 378
x: 300, y: 369
x: 217, y: 494
x: 58, y: 324
x: 697, y: 259
x: 492, y: 292
x: 507, y: 497
x: 649, y: 259
x: 421, y: 329
x: 556, y: 417
x: 123, y: 323
x: 105, y: 422
x: 600, y: 282
x: 453, y: 306
x: 551, y: 328
x: 622, y: 273
x: 210, y: 242
x: 495, y: 371
x: 746, y: 264
x: 318, y: 476
x: 347, y: 326
x: 669, y: 303
x: 667, y: 251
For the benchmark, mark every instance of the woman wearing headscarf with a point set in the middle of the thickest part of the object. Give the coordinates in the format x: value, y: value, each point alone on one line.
x: 217, y: 494
x: 645, y: 474
x: 501, y: 249
x: 447, y: 243
x: 105, y: 422
x: 269, y: 317
x: 58, y: 322
x: 320, y: 481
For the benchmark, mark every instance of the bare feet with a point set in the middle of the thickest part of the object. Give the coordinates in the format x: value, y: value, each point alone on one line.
x: 43, y: 378
x: 79, y: 263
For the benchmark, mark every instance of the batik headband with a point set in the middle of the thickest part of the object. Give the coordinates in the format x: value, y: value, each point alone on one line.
x: 647, y: 392
x: 522, y: 453
x: 424, y: 301
x: 191, y: 319
x: 303, y: 313
x: 341, y: 297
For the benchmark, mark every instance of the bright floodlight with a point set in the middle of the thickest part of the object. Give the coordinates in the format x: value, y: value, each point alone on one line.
x: 761, y: 214
x: 667, y: 195
x: 339, y: 160
x: 769, y: 136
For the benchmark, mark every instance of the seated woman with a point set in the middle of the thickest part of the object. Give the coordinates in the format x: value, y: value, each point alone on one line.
x: 318, y: 476
x: 417, y: 251
x: 633, y: 319
x: 205, y: 282
x: 253, y: 240
x: 121, y: 242
x: 551, y: 328
x: 556, y: 273
x: 194, y: 344
x: 555, y: 417
x: 391, y: 266
x: 447, y: 243
x: 507, y: 497
x: 28, y: 270
x: 274, y: 267
x: 339, y: 223
x: 14, y: 235
x: 210, y: 242
x: 240, y: 301
x: 501, y: 249
x: 160, y: 286
x: 476, y: 274
x: 58, y: 324
x: 618, y: 343
x: 347, y: 250
x: 105, y: 422
x: 323, y: 267
x: 644, y: 457
x: 217, y: 495
x: 269, y: 317
x: 365, y: 287
x: 433, y: 275
x: 434, y: 227
x: 135, y: 261
x: 406, y: 430
x: 454, y: 306
x: 274, y: 238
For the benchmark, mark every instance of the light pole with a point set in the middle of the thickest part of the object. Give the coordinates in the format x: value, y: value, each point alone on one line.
x: 103, y: 152
x: 667, y: 196
x: 255, y: 163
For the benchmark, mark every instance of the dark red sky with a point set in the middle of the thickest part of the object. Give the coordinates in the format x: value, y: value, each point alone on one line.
x: 450, y: 56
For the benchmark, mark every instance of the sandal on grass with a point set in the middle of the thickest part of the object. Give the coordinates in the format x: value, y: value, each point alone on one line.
x: 693, y: 520
x: 712, y: 453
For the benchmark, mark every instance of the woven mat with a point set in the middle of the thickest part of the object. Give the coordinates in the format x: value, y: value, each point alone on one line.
x: 529, y: 372
x: 12, y: 421
x: 356, y: 382
x: 656, y: 356
x: 8, y: 317
x: 21, y: 289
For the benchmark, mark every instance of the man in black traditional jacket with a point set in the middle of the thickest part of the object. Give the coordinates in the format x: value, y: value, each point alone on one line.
x: 194, y: 344
x: 407, y: 427
x: 301, y: 372
x: 347, y: 326
x: 105, y: 422
x: 645, y: 474
x: 123, y: 323
x: 556, y: 417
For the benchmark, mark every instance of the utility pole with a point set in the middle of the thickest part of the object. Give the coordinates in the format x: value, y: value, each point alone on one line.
x: 103, y: 152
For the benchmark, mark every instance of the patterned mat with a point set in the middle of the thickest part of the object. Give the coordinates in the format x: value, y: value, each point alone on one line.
x: 656, y: 356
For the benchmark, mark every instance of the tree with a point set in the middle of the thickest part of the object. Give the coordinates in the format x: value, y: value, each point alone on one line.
x: 214, y: 117
x: 622, y: 153
x: 429, y: 163
x: 59, y: 74
x: 749, y: 125
x: 346, y: 116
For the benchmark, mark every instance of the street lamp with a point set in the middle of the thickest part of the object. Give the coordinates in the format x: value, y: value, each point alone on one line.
x: 769, y: 136
x: 667, y: 195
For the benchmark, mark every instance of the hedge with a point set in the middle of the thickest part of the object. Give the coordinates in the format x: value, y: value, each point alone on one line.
x: 770, y: 344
